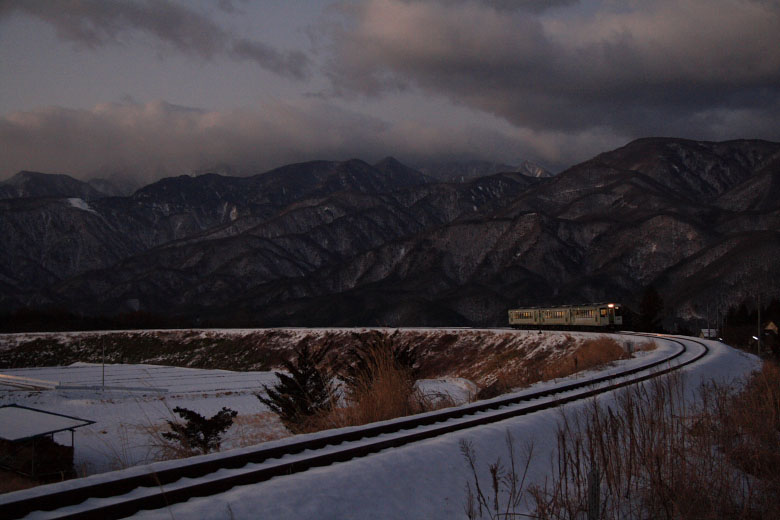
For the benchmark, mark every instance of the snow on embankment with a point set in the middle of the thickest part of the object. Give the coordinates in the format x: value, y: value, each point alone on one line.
x: 471, y: 353
x: 425, y: 479
x: 454, y: 364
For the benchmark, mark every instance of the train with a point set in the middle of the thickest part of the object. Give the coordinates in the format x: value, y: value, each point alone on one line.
x: 591, y: 316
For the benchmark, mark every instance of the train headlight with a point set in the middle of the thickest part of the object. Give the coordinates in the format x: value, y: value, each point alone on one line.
x: 611, y: 305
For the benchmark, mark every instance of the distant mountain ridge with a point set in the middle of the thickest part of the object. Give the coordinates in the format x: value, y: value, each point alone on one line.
x: 36, y: 184
x: 462, y: 171
x: 350, y: 243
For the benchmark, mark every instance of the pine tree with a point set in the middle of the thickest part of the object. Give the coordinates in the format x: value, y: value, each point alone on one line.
x: 198, y: 433
x: 303, y: 392
x: 651, y: 311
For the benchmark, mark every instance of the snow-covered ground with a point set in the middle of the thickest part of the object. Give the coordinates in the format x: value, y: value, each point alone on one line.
x: 425, y: 479
x: 120, y: 436
x: 138, y: 399
x: 422, y: 480
x: 129, y: 402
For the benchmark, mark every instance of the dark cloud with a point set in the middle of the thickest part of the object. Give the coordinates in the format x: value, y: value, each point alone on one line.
x: 152, y: 140
x: 228, y: 6
x: 508, y: 5
x: 677, y: 67
x: 94, y: 23
x: 286, y: 64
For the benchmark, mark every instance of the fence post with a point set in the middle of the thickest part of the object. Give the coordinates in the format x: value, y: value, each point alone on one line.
x: 594, y: 493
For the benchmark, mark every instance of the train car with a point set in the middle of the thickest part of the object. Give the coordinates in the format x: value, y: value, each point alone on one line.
x: 586, y: 317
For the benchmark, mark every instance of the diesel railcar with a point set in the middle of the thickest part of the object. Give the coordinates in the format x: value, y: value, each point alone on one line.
x: 604, y: 316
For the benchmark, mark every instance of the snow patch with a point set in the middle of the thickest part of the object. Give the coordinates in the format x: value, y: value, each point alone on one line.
x: 81, y: 204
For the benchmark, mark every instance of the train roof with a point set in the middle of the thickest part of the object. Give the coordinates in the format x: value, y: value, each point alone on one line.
x: 616, y: 304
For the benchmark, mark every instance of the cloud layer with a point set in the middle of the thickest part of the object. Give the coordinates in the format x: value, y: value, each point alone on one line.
x: 158, y: 139
x: 94, y: 23
x: 706, y: 68
x: 554, y: 81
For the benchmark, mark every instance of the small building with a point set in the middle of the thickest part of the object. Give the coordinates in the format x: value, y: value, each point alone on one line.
x: 709, y: 333
x: 27, y: 443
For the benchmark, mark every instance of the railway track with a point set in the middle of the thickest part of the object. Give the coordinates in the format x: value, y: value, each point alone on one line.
x: 162, y: 484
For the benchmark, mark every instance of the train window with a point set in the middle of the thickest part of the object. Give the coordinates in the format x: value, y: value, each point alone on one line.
x: 618, y: 312
x: 603, y: 312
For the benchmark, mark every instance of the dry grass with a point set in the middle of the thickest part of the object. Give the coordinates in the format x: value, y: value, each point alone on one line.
x: 251, y: 429
x: 161, y: 448
x: 386, y: 393
x: 658, y: 457
x: 593, y: 353
x: 750, y: 424
x: 10, y: 481
x: 504, y: 496
x: 247, y: 430
x: 645, y: 346
x: 545, y: 365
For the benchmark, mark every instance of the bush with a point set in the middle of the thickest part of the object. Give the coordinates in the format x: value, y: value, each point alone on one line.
x: 384, y: 391
x: 658, y: 456
x: 303, y: 393
x: 651, y: 311
x: 379, y: 384
x: 374, y: 355
x: 198, y: 433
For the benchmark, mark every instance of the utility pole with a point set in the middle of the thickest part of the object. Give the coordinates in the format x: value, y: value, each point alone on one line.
x: 758, y: 342
x: 594, y: 493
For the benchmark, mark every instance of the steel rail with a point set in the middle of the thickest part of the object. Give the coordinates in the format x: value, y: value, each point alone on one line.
x: 154, y: 480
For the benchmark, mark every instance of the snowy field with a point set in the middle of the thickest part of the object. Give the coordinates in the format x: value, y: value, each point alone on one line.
x: 138, y: 399
x: 130, y: 403
x: 120, y: 437
x: 425, y: 479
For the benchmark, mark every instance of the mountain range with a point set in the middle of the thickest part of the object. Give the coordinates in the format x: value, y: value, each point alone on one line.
x: 350, y: 243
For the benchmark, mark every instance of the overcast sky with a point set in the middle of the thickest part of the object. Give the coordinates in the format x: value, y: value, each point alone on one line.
x: 154, y: 88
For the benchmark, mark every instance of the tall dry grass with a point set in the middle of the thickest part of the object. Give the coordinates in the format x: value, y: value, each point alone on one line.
x: 659, y: 457
x: 504, y: 495
x: 386, y: 391
x: 10, y: 481
x: 590, y: 354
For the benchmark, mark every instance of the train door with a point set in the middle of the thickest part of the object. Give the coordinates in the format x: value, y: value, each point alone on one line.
x: 614, y: 315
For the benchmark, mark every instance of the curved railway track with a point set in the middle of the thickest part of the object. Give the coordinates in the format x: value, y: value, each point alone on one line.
x: 162, y: 484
